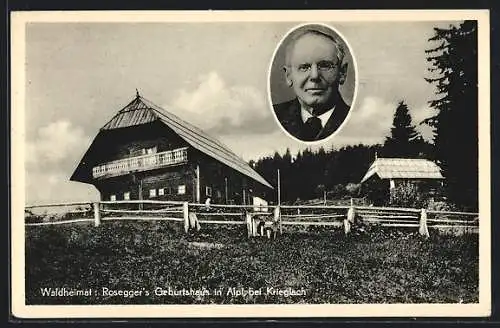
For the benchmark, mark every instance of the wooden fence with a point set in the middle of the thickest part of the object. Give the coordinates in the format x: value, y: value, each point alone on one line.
x: 259, y: 220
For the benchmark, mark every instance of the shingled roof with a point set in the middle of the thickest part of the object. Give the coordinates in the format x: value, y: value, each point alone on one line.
x: 142, y: 111
x: 403, y: 168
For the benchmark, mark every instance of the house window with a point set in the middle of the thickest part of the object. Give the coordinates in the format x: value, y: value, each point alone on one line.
x: 152, y: 193
x: 143, y: 151
x: 112, y: 198
x: 126, y: 195
x: 150, y: 150
x: 181, y: 189
x: 161, y: 192
x: 208, y: 191
x: 136, y: 152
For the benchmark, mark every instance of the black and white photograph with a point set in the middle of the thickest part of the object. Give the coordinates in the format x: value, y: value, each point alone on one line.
x: 250, y: 164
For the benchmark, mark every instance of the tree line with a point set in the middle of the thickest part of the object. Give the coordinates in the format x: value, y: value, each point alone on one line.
x: 308, y: 174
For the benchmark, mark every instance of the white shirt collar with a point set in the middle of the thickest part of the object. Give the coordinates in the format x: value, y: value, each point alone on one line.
x: 323, y: 117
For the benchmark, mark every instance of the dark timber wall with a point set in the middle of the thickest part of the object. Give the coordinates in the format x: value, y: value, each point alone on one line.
x: 125, y: 142
x: 168, y: 179
x: 224, y: 181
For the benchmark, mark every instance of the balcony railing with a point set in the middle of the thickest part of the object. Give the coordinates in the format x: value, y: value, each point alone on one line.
x: 141, y: 163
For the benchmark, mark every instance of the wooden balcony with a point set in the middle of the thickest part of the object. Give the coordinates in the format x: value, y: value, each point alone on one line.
x: 141, y: 163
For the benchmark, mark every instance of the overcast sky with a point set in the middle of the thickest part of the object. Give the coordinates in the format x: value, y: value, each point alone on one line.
x: 214, y: 75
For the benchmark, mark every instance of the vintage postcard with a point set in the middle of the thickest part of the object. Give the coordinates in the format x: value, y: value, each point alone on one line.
x: 250, y: 164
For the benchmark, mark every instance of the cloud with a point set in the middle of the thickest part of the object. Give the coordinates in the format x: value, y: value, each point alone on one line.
x: 55, y: 142
x: 369, y: 123
x: 50, y: 159
x: 253, y: 147
x: 44, y: 187
x: 418, y: 115
x: 220, y: 108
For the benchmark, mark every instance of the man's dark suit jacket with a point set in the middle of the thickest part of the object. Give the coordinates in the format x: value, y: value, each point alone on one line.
x: 288, y: 114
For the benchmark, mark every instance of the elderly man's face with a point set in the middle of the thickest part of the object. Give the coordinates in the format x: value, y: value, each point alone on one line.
x: 314, y: 71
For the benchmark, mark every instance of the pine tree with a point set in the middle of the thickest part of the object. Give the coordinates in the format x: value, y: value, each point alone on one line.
x: 454, y: 65
x: 404, y: 137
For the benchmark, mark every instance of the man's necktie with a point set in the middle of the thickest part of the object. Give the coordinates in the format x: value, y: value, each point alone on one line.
x: 311, y: 128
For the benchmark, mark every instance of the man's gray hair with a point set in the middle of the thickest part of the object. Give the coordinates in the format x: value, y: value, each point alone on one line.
x: 338, y: 45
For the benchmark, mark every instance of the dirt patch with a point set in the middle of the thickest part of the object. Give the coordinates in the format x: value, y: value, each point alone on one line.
x: 205, y: 245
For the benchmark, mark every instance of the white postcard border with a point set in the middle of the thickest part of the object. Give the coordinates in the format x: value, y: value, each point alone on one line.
x: 21, y: 310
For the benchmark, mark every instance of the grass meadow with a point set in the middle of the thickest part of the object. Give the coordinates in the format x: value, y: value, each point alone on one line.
x: 376, y: 266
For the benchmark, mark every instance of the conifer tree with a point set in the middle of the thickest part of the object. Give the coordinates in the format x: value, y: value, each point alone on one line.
x: 404, y: 137
x: 454, y: 68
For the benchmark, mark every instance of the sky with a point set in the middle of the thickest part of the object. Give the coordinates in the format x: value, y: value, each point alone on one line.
x: 214, y: 75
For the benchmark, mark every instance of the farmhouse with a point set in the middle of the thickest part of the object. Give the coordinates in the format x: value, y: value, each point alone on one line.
x: 386, y: 177
x: 145, y: 152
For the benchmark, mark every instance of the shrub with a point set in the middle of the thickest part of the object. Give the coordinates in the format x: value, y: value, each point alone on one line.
x: 441, y: 206
x: 408, y: 195
x: 29, y: 217
x: 353, y: 189
x: 337, y: 191
x: 376, y: 191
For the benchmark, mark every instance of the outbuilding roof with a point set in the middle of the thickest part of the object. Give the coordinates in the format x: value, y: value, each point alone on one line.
x: 142, y: 111
x: 403, y: 168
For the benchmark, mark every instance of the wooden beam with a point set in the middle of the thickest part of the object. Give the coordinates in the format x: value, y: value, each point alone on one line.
x: 140, y: 193
x: 198, y: 191
x: 225, y: 181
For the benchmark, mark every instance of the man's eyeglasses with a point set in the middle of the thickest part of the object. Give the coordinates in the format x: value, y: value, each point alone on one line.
x: 322, y: 66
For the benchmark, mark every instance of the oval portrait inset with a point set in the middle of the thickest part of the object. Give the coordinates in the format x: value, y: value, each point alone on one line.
x: 312, y: 82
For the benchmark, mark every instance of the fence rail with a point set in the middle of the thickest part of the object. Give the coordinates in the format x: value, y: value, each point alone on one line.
x: 59, y: 222
x: 29, y: 207
x: 257, y: 218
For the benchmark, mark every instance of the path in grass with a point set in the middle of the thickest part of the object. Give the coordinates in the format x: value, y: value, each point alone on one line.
x: 321, y: 266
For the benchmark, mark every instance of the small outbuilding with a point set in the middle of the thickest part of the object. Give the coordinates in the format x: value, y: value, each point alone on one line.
x: 388, y: 178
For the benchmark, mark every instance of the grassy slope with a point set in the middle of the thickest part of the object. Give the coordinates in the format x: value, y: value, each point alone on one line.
x: 376, y: 267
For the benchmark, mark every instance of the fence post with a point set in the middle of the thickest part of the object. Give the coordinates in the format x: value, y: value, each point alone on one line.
x: 254, y: 227
x: 349, y: 219
x: 97, y: 214
x: 277, y: 218
x: 423, y: 223
x: 185, y: 211
x: 248, y: 219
